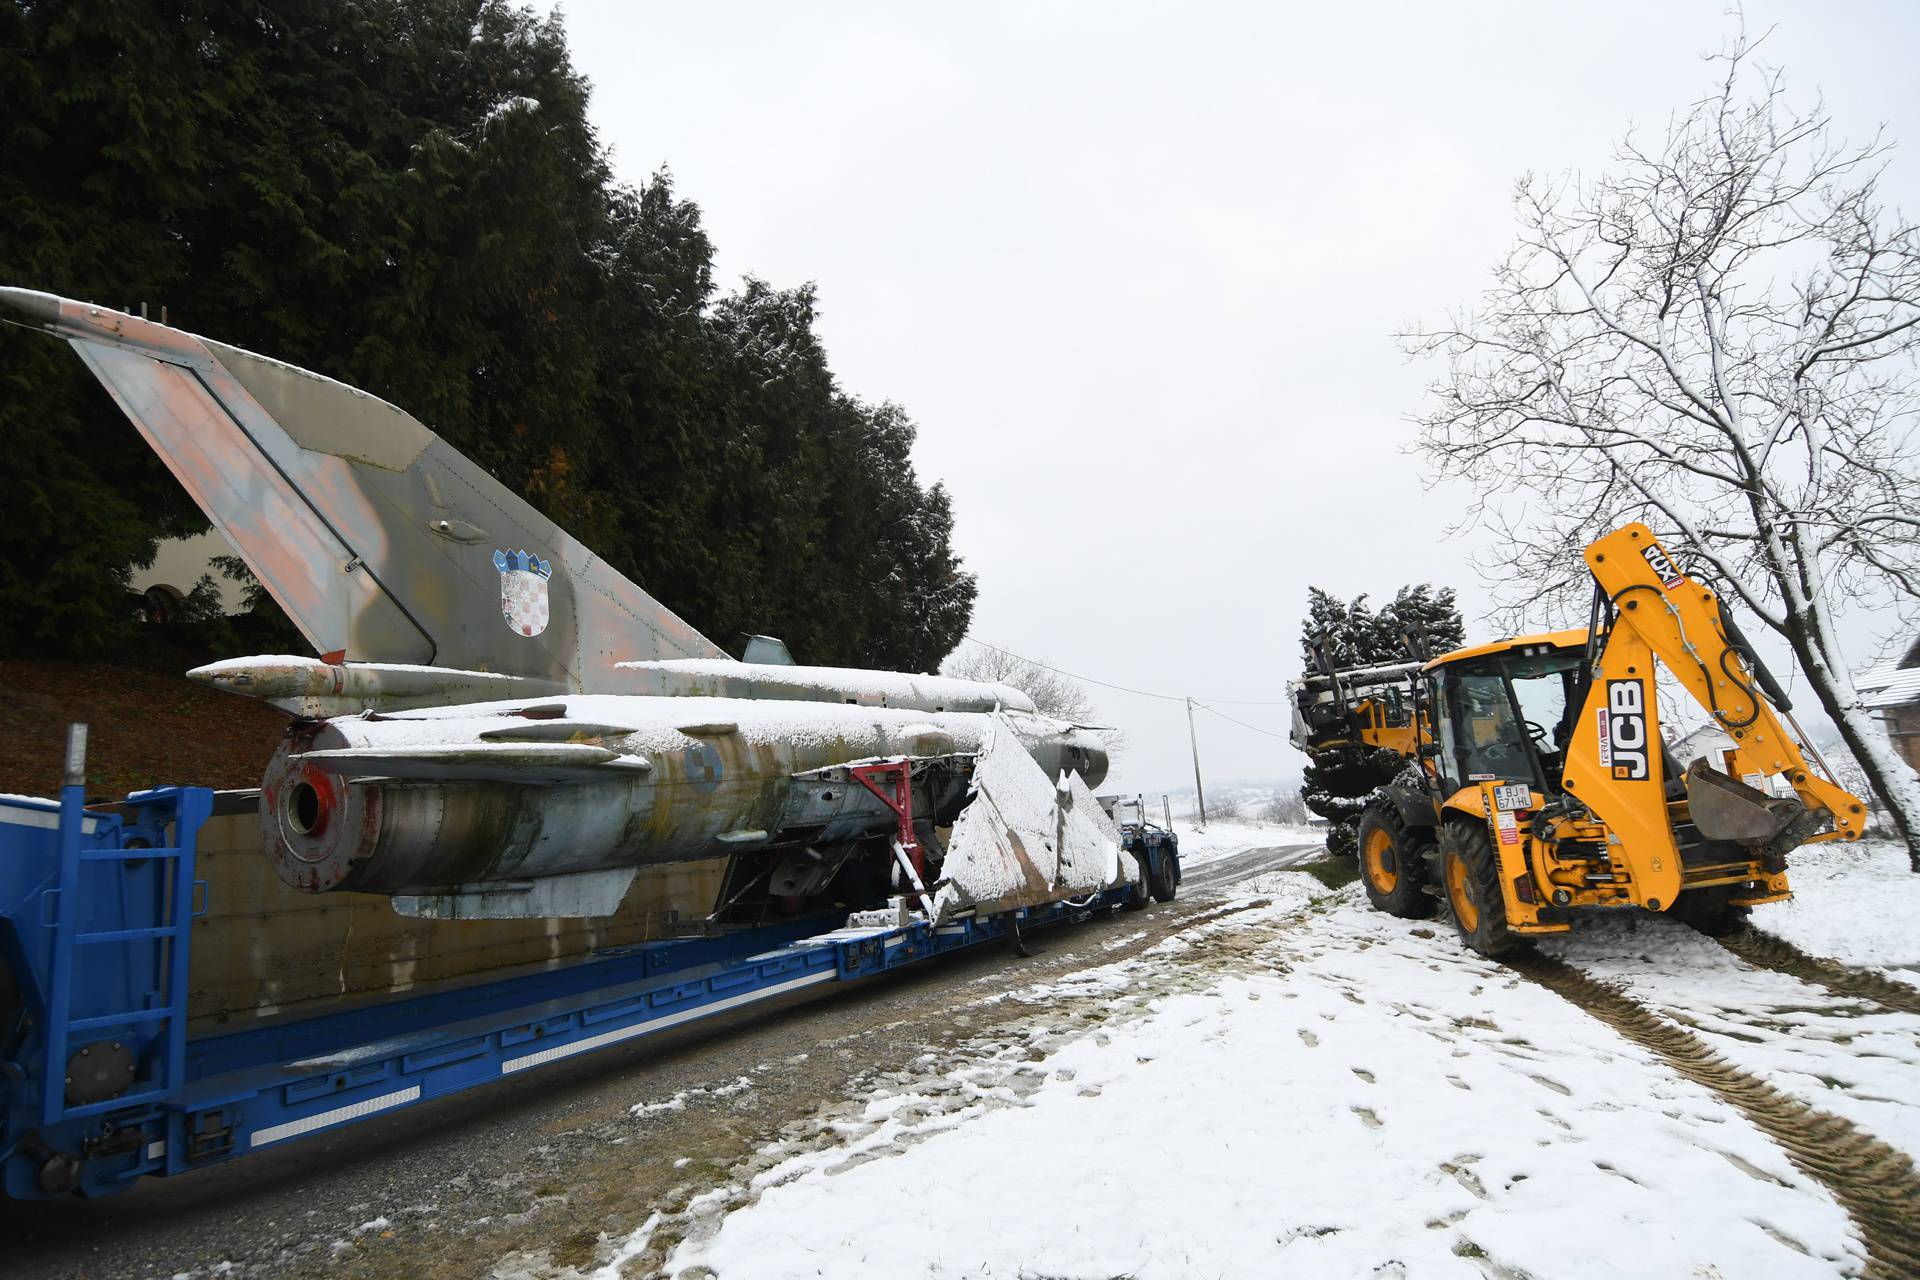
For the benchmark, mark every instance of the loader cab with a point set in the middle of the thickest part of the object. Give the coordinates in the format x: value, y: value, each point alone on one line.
x: 1504, y: 712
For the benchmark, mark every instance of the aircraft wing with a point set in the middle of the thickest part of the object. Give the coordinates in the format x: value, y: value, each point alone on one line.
x: 381, y: 541
x: 1024, y: 839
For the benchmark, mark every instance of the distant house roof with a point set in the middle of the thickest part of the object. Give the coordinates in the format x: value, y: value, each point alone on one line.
x: 1895, y: 685
x: 1889, y: 686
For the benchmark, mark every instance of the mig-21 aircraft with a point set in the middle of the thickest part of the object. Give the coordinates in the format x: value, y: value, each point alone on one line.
x: 499, y: 724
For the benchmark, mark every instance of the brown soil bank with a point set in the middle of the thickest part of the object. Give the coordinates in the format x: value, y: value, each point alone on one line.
x: 147, y: 726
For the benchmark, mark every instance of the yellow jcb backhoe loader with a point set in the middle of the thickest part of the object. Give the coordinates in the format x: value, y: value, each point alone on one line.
x: 1539, y: 783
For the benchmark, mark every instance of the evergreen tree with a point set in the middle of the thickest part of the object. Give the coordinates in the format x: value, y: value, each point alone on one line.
x: 408, y: 196
x: 1337, y: 782
x: 1340, y: 628
x: 1430, y: 617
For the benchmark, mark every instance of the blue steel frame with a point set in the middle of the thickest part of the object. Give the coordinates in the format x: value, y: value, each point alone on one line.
x: 204, y: 1100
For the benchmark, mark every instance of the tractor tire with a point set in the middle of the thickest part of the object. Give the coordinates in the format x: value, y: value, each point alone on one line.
x: 1340, y: 840
x: 1470, y: 879
x: 1710, y: 911
x: 1393, y: 865
x: 1164, y: 885
x: 1141, y: 893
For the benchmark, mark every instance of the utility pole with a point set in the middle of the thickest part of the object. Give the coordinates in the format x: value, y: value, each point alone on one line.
x: 1194, y: 740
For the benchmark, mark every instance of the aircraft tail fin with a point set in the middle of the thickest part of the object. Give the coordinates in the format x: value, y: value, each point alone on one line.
x: 381, y: 541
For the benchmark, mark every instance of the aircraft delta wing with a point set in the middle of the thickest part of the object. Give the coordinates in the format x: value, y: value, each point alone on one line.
x: 380, y: 540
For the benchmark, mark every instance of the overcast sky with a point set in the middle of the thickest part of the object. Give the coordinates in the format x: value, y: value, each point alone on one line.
x: 1135, y: 272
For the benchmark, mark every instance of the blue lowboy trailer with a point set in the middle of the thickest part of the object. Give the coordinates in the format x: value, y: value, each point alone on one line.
x: 103, y: 1082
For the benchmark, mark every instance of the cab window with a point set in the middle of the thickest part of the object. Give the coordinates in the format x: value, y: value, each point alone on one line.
x: 1486, y: 742
x: 1543, y: 685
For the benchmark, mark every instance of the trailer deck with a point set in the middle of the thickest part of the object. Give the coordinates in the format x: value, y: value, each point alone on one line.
x: 103, y: 1083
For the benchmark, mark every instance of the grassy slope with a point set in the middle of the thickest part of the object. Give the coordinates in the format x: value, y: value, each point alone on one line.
x: 148, y: 726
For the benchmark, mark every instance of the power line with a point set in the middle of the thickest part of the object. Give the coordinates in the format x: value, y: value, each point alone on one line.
x: 1143, y: 693
x: 1203, y: 704
x: 1164, y: 697
x: 1249, y: 702
x: 1199, y: 787
x: 1242, y: 723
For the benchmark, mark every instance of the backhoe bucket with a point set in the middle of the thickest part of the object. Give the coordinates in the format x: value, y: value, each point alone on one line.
x: 1724, y: 808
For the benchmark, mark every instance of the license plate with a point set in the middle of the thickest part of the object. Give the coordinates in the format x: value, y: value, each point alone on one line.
x: 1512, y: 797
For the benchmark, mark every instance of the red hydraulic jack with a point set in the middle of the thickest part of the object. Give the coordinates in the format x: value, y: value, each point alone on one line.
x: 892, y: 781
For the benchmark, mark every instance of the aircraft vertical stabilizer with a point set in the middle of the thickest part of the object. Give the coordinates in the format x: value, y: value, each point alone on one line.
x: 381, y: 541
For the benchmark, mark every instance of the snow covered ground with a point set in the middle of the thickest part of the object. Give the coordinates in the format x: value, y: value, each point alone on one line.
x: 1858, y: 904
x: 1846, y: 1056
x: 1311, y: 1088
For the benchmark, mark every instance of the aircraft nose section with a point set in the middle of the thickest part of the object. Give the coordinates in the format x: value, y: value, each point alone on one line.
x: 1089, y: 756
x: 1096, y: 771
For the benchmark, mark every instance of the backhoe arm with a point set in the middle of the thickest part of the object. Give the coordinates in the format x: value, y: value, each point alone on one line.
x: 1614, y: 760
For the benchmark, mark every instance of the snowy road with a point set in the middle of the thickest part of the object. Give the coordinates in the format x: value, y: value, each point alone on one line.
x: 1234, y: 868
x: 1848, y: 1055
x: 1311, y: 1088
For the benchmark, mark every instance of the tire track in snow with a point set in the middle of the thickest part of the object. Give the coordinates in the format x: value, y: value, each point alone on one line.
x: 1764, y: 951
x: 1877, y: 1185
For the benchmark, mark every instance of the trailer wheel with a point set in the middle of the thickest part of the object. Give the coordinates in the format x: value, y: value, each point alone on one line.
x: 1470, y: 876
x: 1710, y: 911
x: 1141, y: 892
x: 1393, y: 865
x: 1164, y: 885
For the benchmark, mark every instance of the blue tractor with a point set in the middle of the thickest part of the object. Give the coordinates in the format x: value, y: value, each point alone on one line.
x: 1154, y: 847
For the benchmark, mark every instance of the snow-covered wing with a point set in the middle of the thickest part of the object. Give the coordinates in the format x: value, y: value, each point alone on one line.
x: 1024, y: 839
x: 1090, y: 851
x: 725, y: 678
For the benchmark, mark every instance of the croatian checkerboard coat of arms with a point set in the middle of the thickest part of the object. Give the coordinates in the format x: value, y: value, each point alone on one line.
x: 523, y: 590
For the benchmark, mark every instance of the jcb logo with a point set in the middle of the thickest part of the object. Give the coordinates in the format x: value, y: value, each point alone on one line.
x: 1661, y: 564
x: 1623, y: 730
